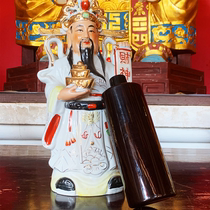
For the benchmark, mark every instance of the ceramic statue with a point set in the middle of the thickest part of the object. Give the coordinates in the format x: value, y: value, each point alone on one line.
x: 77, y: 131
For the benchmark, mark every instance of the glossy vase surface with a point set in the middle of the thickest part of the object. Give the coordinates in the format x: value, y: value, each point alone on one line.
x: 144, y: 169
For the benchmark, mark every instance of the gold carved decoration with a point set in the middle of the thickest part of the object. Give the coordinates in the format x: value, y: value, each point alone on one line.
x: 139, y: 9
x: 114, y: 33
x: 175, y: 17
x: 163, y: 30
x: 112, y: 5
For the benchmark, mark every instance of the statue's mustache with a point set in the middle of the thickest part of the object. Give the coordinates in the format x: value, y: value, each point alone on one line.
x: 86, y: 41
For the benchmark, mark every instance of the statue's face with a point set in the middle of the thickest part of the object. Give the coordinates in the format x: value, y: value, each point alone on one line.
x: 83, y: 30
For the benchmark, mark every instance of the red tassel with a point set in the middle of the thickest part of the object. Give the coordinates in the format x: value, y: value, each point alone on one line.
x: 73, y: 140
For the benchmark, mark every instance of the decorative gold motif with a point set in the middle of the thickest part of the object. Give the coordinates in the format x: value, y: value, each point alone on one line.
x: 139, y: 9
x: 162, y: 30
x: 168, y: 23
x: 82, y: 16
x: 95, y: 7
x: 35, y: 29
x: 91, y: 118
x: 114, y: 33
x: 181, y: 35
x: 113, y: 5
x: 55, y: 31
x: 72, y: 14
x: 123, y: 5
x: 178, y: 37
x: 109, y: 6
x: 180, y: 32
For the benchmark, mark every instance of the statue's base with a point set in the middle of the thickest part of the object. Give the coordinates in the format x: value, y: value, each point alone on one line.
x: 168, y: 78
x: 24, y: 78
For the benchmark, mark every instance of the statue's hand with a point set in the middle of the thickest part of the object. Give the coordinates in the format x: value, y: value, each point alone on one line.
x: 70, y: 93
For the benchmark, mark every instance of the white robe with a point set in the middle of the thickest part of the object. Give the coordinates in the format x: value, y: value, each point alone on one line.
x: 81, y: 146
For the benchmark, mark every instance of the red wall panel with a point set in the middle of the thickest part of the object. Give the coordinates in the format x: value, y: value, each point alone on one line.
x: 10, y: 52
x: 201, y: 61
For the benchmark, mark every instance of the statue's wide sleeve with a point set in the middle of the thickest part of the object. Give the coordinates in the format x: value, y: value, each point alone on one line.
x: 54, y: 78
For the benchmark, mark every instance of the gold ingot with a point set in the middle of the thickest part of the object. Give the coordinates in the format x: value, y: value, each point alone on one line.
x: 79, y: 66
x: 80, y: 73
x: 80, y: 76
x: 80, y: 70
x: 80, y: 82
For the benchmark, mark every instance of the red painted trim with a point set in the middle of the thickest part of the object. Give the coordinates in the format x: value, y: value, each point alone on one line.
x: 52, y: 127
x: 92, y: 106
x: 70, y: 121
x: 95, y: 94
x: 106, y: 125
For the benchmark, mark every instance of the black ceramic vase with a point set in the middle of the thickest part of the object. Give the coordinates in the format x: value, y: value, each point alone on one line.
x: 146, y: 175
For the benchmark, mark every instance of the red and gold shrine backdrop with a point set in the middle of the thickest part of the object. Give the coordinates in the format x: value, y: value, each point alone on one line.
x: 10, y: 53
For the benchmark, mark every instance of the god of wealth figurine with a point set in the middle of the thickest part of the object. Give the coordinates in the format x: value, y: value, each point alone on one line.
x: 82, y: 157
